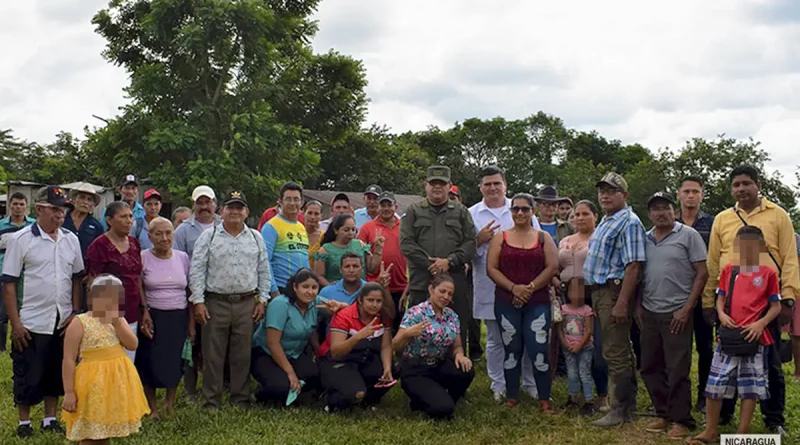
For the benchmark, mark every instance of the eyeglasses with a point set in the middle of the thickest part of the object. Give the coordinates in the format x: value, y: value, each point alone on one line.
x: 517, y: 209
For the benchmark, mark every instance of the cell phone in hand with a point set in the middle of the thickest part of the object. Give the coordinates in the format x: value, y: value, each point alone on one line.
x: 383, y: 384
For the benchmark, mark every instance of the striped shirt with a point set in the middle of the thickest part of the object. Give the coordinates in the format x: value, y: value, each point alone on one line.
x: 618, y: 241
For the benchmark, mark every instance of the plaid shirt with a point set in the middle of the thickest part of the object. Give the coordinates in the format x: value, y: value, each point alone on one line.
x: 702, y: 224
x: 618, y: 241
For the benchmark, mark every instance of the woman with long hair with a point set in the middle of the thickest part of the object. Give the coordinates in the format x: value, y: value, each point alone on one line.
x: 339, y: 239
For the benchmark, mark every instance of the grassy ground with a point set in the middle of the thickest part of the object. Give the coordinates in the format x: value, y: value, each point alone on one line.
x: 478, y: 421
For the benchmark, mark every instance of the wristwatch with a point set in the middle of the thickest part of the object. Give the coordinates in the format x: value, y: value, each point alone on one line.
x: 789, y: 302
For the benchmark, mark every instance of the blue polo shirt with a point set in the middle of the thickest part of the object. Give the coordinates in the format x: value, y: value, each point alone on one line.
x: 296, y: 328
x: 89, y: 230
x: 6, y: 231
x: 337, y: 292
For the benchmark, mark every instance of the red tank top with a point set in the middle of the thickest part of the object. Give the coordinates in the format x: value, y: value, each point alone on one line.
x: 521, y: 266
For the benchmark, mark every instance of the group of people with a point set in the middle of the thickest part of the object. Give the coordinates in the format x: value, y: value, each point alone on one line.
x: 346, y: 307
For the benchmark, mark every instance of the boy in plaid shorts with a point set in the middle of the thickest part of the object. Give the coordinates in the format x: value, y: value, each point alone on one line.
x: 755, y: 303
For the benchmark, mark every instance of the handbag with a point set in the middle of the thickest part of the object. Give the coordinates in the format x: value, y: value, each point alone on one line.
x: 555, y: 302
x: 732, y: 340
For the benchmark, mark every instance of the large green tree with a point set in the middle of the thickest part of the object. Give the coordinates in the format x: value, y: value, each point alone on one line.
x: 225, y: 93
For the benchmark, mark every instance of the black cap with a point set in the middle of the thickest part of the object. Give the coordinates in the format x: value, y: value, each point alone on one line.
x: 129, y: 179
x: 663, y: 196
x: 340, y: 197
x: 387, y: 196
x: 373, y: 190
x: 233, y: 197
x: 53, y: 196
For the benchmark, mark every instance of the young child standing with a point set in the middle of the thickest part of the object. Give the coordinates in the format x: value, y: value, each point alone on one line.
x: 755, y: 292
x: 576, y: 338
x: 103, y: 396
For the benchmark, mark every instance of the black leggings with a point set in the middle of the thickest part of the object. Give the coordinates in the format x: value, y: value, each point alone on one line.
x: 343, y: 380
x: 273, y: 383
x: 435, y: 389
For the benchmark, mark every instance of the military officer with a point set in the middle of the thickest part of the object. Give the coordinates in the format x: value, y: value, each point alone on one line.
x: 437, y: 235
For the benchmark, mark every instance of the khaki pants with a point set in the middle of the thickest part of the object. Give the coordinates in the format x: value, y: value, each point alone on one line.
x: 617, y: 347
x: 230, y: 330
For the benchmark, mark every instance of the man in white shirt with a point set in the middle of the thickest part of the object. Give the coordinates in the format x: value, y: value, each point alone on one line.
x: 491, y: 216
x: 51, y: 258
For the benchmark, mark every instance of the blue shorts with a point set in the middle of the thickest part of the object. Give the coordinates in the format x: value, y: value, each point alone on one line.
x: 748, y: 375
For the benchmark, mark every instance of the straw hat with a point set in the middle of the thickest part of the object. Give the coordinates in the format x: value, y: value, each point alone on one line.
x: 84, y: 187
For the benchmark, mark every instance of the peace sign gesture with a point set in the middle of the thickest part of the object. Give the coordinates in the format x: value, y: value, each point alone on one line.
x: 368, y: 330
x: 487, y: 232
x: 380, y: 240
x: 384, y: 277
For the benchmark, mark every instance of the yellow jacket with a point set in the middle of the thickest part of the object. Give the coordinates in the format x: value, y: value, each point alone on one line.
x: 778, y: 233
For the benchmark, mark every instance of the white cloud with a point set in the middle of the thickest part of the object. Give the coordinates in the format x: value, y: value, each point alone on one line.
x: 656, y: 74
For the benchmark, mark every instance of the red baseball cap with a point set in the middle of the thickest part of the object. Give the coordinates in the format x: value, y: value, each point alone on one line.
x: 454, y: 190
x: 152, y: 193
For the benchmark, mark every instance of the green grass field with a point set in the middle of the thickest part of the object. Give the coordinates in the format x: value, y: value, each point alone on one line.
x: 478, y: 421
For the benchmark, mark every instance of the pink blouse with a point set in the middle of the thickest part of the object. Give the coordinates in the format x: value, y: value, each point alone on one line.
x: 571, y: 256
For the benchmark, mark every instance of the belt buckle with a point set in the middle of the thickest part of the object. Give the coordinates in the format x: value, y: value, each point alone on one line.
x: 616, y: 281
x: 430, y: 361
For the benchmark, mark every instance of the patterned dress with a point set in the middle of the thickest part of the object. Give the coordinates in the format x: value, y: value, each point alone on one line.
x: 110, y: 397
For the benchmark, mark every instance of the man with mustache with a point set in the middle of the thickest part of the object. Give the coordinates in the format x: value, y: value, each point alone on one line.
x: 674, y: 275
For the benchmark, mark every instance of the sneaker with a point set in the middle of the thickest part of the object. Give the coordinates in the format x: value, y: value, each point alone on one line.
x: 656, y: 426
x: 601, y: 404
x: 571, y: 403
x: 54, y: 427
x: 511, y: 403
x: 498, y: 396
x: 24, y: 431
x: 531, y: 392
x: 587, y: 409
x: 777, y: 429
x: 677, y: 432
x: 546, y: 406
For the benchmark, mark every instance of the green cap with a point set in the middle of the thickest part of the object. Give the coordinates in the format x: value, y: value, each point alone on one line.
x: 614, y: 180
x: 438, y: 173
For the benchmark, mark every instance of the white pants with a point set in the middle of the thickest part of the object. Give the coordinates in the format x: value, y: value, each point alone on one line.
x: 132, y: 354
x: 495, y: 354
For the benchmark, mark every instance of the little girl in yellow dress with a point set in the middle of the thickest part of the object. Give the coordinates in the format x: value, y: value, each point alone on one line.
x: 103, y: 394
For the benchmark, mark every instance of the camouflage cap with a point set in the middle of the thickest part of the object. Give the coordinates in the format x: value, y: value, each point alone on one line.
x: 614, y: 180
x: 438, y: 173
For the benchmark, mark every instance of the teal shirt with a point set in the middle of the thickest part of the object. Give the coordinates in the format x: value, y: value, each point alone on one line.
x: 296, y: 327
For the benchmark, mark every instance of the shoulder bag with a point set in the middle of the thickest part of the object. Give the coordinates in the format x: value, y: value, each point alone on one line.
x: 732, y: 340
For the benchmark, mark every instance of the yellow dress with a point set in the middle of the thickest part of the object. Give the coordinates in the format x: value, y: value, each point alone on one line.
x: 110, y: 397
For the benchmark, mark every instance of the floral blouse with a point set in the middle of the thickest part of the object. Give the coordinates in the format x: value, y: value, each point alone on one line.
x: 437, y: 339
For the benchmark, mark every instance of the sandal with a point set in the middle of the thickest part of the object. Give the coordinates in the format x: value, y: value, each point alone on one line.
x: 698, y: 439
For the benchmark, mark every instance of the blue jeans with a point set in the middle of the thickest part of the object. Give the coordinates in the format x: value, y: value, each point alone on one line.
x: 599, y: 366
x: 525, y: 328
x: 579, y: 372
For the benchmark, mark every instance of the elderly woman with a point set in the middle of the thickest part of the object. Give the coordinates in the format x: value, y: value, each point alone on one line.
x: 165, y: 279
x: 434, y: 371
x: 118, y: 253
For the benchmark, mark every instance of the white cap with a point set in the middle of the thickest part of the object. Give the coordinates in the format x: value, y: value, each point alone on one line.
x: 203, y: 190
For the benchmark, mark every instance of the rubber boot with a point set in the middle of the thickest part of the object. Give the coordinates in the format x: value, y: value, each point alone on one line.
x: 615, y: 417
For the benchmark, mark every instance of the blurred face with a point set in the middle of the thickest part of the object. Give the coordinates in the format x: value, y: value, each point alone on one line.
x: 745, y: 189
x: 584, y: 219
x: 611, y: 199
x: 521, y: 211
x: 234, y: 213
x: 84, y: 203
x: 493, y: 187
x: 351, y: 270
x: 662, y: 214
x: 386, y: 210
x: 691, y: 194
x: 441, y: 295
x: 152, y: 206
x: 371, y: 303
x: 129, y: 192
x: 437, y: 192
x: 347, y: 232
x: 371, y: 202
x: 749, y: 250
x: 122, y: 222
x: 180, y: 218
x: 104, y: 302
x: 161, y: 236
x: 50, y: 217
x: 205, y: 207
x: 547, y: 210
x: 563, y: 210
x: 339, y: 207
x: 313, y: 215
x: 19, y: 208
x: 306, y: 291
x: 291, y: 202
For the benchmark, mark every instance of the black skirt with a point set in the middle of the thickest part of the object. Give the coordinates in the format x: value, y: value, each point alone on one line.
x: 159, y: 360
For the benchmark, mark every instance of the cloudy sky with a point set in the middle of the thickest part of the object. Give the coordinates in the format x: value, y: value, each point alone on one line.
x: 656, y: 76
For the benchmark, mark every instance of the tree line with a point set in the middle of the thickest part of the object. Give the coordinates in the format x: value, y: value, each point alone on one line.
x: 232, y: 95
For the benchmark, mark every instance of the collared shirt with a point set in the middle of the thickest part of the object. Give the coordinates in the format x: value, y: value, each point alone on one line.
x: 138, y: 219
x: 362, y: 217
x: 617, y: 242
x: 669, y: 272
x: 778, y: 234
x: 229, y: 264
x: 436, y: 340
x: 337, y: 292
x: 50, y: 265
x: 7, y: 229
x: 187, y: 233
x: 287, y: 249
x: 391, y: 254
x: 296, y: 328
x: 348, y: 321
x: 89, y: 230
x: 483, y: 302
x: 702, y: 224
